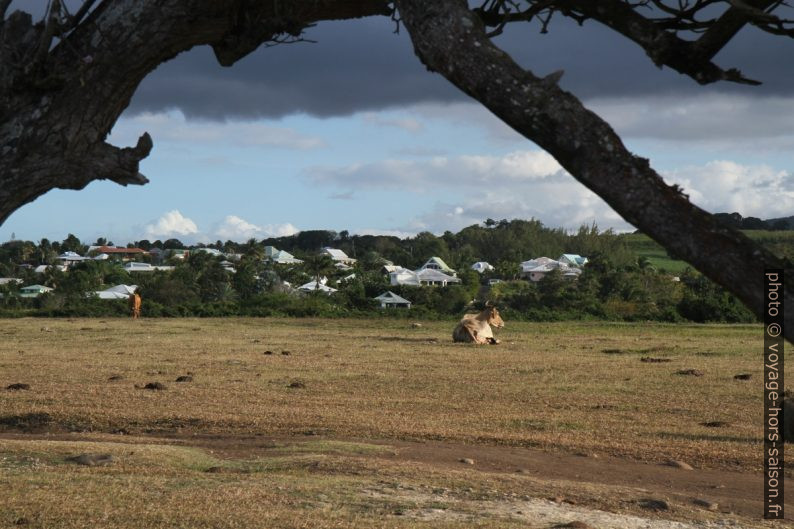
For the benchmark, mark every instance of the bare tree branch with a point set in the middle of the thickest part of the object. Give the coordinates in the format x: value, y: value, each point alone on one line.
x: 450, y: 40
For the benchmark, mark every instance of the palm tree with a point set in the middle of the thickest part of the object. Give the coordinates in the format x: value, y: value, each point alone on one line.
x: 318, y: 266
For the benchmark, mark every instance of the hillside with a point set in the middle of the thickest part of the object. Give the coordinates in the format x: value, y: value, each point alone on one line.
x: 779, y: 242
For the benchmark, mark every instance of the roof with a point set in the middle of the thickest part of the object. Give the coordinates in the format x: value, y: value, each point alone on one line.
x: 428, y: 274
x: 7, y: 280
x: 122, y: 289
x: 281, y: 256
x: 574, y: 258
x: 40, y: 288
x: 71, y: 256
x: 440, y: 262
x: 115, y: 249
x: 391, y: 297
x: 335, y: 254
x: 312, y: 286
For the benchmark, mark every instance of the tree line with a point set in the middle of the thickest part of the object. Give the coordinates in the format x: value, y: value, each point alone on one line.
x: 616, y: 284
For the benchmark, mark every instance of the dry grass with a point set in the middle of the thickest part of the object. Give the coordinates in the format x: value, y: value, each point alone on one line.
x: 578, y: 387
x: 566, y: 387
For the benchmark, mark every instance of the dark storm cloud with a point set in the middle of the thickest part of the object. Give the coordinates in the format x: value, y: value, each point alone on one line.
x: 362, y: 65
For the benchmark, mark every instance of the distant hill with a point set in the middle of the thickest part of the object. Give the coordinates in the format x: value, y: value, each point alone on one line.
x: 788, y: 221
x: 779, y: 241
x: 735, y: 220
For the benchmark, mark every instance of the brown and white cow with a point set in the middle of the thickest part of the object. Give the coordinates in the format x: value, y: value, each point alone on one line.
x: 476, y: 328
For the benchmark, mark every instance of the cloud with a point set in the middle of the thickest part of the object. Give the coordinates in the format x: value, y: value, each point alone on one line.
x: 419, y: 176
x: 708, y: 117
x: 237, y: 229
x: 723, y: 186
x: 174, y: 127
x: 362, y: 65
x: 531, y: 184
x: 342, y: 196
x: 171, y: 224
x: 407, y: 124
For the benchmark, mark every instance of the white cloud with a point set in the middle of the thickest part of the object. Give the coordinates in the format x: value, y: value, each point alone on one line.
x: 723, y: 186
x: 235, y: 228
x: 520, y: 167
x: 173, y: 127
x: 171, y: 224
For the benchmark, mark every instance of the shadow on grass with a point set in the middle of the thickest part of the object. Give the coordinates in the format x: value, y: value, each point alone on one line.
x: 710, y: 437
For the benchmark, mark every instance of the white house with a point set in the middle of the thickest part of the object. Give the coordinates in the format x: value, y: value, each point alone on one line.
x: 33, y: 291
x: 403, y: 276
x: 431, y: 277
x: 43, y: 268
x: 390, y: 300
x: 134, y: 266
x: 117, y: 292
x: 536, y: 269
x: 280, y: 256
x: 9, y: 280
x: 437, y: 263
x: 572, y: 259
x: 313, y: 286
x: 338, y: 256
x: 482, y: 267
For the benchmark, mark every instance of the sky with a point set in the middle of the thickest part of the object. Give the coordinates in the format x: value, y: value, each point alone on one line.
x: 353, y: 133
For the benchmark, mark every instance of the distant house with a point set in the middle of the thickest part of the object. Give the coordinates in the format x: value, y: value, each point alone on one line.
x: 437, y: 263
x: 9, y: 280
x: 431, y: 277
x: 116, y: 253
x: 277, y: 256
x: 134, y: 266
x: 43, y: 268
x: 342, y: 266
x: 117, y: 292
x: 482, y: 267
x: 572, y: 259
x: 212, y: 251
x: 389, y: 300
x: 69, y: 258
x: 536, y: 269
x: 314, y: 286
x: 32, y: 291
x: 403, y: 276
x: 338, y: 256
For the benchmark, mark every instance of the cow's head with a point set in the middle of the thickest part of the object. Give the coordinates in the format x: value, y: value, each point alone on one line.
x: 494, y: 319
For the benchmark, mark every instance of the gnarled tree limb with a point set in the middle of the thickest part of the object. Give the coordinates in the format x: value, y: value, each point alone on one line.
x: 57, y: 104
x: 450, y: 40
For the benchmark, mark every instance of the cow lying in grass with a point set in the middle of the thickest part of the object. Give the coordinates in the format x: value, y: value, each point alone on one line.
x: 476, y: 328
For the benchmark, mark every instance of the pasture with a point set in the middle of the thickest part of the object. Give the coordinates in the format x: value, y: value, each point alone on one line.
x: 375, y: 423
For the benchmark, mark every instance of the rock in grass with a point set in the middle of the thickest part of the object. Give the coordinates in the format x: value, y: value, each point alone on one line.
x: 743, y: 376
x: 679, y: 464
x: 92, y: 460
x: 286, y: 353
x: 115, y: 377
x: 706, y: 504
x: 158, y: 386
x: 466, y: 461
x: 17, y: 387
x: 652, y: 360
x: 654, y: 505
x: 576, y: 524
x: 416, y: 325
x: 296, y: 384
x: 715, y: 424
x: 268, y: 353
x: 184, y: 378
x: 690, y: 372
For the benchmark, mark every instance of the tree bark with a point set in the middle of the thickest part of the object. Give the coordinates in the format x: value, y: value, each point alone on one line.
x: 451, y: 40
x: 57, y: 104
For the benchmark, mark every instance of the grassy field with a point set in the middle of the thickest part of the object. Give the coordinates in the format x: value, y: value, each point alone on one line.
x: 322, y: 421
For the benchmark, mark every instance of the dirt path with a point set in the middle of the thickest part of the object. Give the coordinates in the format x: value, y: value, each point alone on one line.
x: 735, y: 493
